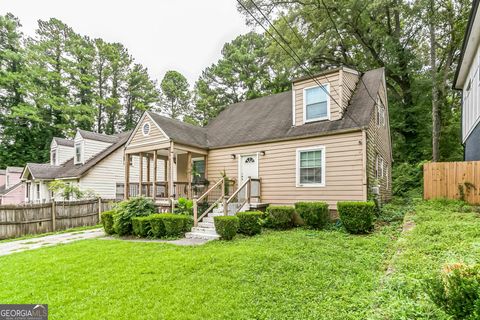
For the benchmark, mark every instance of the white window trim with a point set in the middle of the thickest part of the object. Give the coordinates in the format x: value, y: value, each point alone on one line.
x: 324, y: 165
x: 327, y: 88
x: 380, y: 163
x: 149, y: 128
x: 54, y: 161
x: 82, y: 152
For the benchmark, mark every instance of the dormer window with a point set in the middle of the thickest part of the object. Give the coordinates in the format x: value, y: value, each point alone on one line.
x: 316, y: 104
x: 78, y: 152
x: 380, y: 115
x: 53, y: 157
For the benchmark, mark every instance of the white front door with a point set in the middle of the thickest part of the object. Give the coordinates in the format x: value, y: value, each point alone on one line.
x: 248, y: 167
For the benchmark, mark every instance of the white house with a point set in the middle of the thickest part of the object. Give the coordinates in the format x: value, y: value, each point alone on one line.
x: 467, y: 79
x: 92, y: 161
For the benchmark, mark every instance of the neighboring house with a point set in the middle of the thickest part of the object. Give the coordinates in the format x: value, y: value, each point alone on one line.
x: 91, y: 161
x: 12, y: 191
x: 467, y: 79
x: 328, y: 143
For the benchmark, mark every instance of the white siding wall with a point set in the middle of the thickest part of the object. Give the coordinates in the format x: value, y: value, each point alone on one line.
x: 103, y: 177
x: 471, y: 98
x: 64, y: 154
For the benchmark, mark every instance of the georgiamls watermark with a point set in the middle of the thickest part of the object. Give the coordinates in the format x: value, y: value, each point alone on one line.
x: 23, y: 312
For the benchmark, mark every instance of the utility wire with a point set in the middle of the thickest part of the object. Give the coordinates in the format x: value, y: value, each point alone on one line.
x: 299, y: 63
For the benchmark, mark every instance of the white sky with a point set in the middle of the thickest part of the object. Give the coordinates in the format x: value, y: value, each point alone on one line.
x: 183, y: 35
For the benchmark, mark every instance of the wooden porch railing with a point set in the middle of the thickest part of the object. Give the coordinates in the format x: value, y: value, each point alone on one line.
x: 161, y: 190
x: 248, y: 190
x: 219, y: 184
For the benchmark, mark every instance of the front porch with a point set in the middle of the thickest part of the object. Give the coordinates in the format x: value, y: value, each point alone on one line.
x: 164, y: 172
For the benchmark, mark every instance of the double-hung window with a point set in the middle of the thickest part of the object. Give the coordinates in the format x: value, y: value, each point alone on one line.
x: 379, y: 167
x: 380, y: 114
x: 311, y: 167
x: 316, y: 103
x: 198, y: 171
x: 78, y: 152
x: 54, y: 157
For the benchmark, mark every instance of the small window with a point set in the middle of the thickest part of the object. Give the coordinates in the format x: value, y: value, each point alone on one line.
x: 379, y: 167
x: 27, y: 190
x: 8, y: 181
x: 146, y: 129
x: 54, y: 157
x: 311, y: 166
x: 37, y: 193
x: 250, y: 160
x: 380, y: 115
x: 78, y: 152
x: 316, y: 103
x: 198, y: 170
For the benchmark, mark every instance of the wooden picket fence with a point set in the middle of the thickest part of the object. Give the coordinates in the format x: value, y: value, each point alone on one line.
x: 452, y: 179
x: 26, y: 219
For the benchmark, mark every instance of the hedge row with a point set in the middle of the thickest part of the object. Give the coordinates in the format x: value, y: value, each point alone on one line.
x: 357, y: 217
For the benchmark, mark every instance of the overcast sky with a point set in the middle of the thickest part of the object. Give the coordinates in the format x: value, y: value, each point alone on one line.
x: 183, y: 35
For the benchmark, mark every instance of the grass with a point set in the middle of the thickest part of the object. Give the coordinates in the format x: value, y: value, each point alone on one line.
x: 75, y: 230
x: 296, y: 274
x: 444, y: 232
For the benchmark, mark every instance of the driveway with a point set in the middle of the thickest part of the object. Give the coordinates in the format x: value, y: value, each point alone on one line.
x: 46, y: 241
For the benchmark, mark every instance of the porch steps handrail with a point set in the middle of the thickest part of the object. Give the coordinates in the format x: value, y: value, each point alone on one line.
x: 245, y: 185
x: 221, y: 183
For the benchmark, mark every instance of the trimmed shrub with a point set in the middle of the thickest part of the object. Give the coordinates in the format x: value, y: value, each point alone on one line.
x: 157, y: 228
x: 174, y: 224
x: 126, y: 210
x: 356, y: 217
x: 249, y: 222
x: 141, y: 226
x: 107, y: 221
x: 457, y: 291
x: 314, y: 214
x: 279, y: 217
x: 169, y: 225
x: 226, y: 226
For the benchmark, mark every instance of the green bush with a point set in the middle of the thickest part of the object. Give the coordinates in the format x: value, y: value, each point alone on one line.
x: 407, y: 179
x: 314, y: 214
x: 174, y: 225
x: 157, y: 228
x: 126, y: 210
x: 457, y: 291
x: 249, y: 222
x: 169, y: 225
x: 184, y: 206
x: 107, y: 221
x: 141, y: 226
x: 279, y: 217
x: 226, y: 226
x: 356, y: 217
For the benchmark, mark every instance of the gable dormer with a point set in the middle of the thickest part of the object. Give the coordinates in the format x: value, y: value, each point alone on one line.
x: 88, y: 144
x: 61, y: 150
x: 323, y: 97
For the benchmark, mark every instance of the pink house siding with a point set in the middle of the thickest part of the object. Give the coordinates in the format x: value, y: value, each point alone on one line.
x: 15, y: 196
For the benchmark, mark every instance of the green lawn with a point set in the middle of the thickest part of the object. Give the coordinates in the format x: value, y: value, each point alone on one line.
x: 297, y: 274
x: 444, y: 233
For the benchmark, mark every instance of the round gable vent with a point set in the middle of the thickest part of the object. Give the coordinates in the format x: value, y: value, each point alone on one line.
x: 146, y: 129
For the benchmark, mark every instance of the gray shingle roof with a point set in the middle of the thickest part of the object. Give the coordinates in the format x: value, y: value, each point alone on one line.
x: 64, y: 142
x: 43, y: 170
x: 4, y: 191
x: 270, y: 118
x: 15, y: 169
x: 69, y: 169
x: 98, y: 136
x: 180, y: 131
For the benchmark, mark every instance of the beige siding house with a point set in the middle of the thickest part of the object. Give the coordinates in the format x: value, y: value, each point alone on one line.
x: 327, y: 139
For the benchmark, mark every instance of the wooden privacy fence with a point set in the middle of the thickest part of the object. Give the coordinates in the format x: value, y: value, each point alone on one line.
x: 452, y: 180
x: 20, y: 220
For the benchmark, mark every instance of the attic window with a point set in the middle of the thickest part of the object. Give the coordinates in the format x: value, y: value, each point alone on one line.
x: 78, y: 152
x: 146, y: 129
x: 380, y: 114
x: 316, y: 103
x: 54, y: 157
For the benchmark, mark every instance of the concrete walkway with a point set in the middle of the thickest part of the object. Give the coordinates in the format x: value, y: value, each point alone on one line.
x: 46, y: 241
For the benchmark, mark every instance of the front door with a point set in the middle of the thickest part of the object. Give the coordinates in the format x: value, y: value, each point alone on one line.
x: 248, y: 167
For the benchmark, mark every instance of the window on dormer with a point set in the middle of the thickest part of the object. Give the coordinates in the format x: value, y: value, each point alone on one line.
x: 380, y: 114
x: 78, y: 152
x: 53, y: 156
x: 316, y: 103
